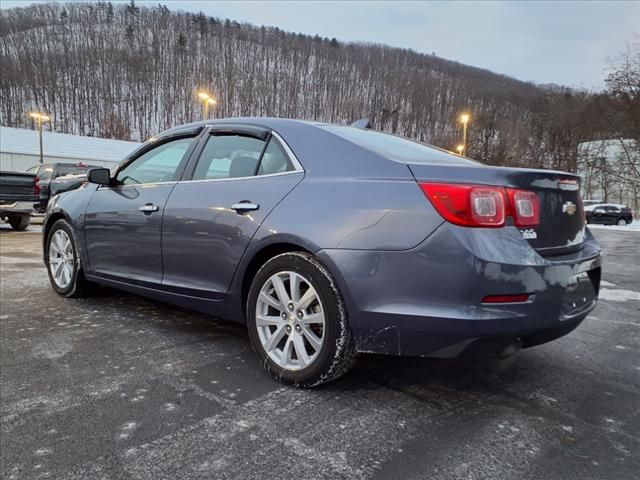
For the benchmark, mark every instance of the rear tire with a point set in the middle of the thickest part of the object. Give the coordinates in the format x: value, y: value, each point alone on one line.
x: 20, y: 223
x: 621, y: 222
x: 300, y: 333
x: 63, y: 262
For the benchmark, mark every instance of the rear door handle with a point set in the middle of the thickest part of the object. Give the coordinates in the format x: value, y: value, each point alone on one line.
x: 149, y: 208
x: 244, y: 206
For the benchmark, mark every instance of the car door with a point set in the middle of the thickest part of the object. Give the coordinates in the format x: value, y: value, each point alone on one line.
x: 122, y: 221
x: 612, y: 213
x: 210, y: 217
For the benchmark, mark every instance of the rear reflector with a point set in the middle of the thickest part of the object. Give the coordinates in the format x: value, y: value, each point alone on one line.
x: 519, y: 298
x: 468, y: 205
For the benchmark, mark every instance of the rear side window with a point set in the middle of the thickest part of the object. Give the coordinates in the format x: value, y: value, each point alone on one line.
x: 274, y: 159
x: 397, y: 148
x: 234, y: 156
x: 229, y: 156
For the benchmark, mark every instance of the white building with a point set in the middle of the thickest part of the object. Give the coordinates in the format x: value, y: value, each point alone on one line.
x: 20, y: 149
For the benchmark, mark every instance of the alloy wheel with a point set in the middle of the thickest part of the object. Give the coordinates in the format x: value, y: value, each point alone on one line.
x: 61, y: 258
x: 290, y: 320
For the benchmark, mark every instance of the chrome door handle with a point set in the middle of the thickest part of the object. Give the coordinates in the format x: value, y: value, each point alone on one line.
x: 241, y: 207
x: 149, y: 208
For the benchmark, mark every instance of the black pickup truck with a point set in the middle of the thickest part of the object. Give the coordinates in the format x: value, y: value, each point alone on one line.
x: 48, y: 173
x: 18, y: 191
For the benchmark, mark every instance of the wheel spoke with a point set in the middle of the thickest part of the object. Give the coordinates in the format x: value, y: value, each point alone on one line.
x: 312, y: 338
x: 265, y: 297
x: 308, y: 297
x: 301, y: 351
x: 54, y: 261
x: 58, y: 271
x: 53, y: 249
x: 313, y: 318
x: 294, y: 287
x: 281, y: 291
x: 266, y: 320
x: 66, y: 274
x: 287, y: 352
x: 275, y: 338
x: 59, y: 240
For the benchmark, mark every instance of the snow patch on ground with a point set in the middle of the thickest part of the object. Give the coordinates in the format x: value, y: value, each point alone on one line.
x: 632, y: 227
x: 618, y: 295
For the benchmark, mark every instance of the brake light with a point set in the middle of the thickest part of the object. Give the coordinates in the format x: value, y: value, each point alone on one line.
x: 483, y: 206
x: 36, y: 187
x: 468, y: 205
x: 525, y: 207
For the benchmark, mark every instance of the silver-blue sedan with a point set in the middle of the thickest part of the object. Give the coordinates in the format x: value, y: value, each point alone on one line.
x: 328, y: 240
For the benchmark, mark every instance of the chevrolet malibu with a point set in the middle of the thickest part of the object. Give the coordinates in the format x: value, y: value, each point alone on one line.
x: 329, y: 240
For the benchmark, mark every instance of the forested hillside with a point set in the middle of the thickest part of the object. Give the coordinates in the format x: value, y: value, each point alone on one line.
x: 128, y: 72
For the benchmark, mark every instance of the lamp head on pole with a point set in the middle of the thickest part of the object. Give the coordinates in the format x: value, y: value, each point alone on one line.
x: 465, y: 117
x: 40, y: 116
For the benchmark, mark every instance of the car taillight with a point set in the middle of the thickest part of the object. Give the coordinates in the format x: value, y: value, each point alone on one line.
x: 525, y: 207
x: 483, y: 206
x: 468, y: 205
x: 36, y: 187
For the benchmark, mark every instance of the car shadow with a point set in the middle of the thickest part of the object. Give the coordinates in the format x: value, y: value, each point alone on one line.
x: 478, y: 374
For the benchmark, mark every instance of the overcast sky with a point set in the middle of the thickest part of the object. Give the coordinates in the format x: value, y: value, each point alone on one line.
x: 567, y: 43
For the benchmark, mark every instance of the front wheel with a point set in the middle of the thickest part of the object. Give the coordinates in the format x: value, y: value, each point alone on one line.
x: 621, y: 222
x: 298, y: 322
x: 63, y: 262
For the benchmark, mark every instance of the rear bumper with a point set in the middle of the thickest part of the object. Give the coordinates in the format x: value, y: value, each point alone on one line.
x: 15, y: 208
x: 428, y: 301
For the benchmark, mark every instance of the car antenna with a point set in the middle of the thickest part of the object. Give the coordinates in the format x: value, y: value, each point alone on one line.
x: 362, y: 123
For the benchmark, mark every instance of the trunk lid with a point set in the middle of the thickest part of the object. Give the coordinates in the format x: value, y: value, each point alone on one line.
x: 562, y: 225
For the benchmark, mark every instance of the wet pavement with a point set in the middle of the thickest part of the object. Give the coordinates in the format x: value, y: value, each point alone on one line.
x: 116, y: 387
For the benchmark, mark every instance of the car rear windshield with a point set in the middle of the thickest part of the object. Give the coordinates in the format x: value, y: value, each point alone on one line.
x: 397, y: 148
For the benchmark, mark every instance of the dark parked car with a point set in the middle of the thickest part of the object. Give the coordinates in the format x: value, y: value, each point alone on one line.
x: 609, y: 214
x: 329, y: 240
x: 47, y: 172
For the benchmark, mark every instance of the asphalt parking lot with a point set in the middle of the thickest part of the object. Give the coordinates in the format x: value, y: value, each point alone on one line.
x: 117, y: 386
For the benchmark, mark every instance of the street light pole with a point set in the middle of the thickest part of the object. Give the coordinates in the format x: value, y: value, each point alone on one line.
x: 40, y: 117
x: 464, y: 118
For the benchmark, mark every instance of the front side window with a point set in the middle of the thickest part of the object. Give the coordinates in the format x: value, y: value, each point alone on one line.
x: 157, y: 165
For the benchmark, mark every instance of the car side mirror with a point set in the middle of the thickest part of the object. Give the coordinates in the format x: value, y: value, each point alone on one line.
x: 101, y: 176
